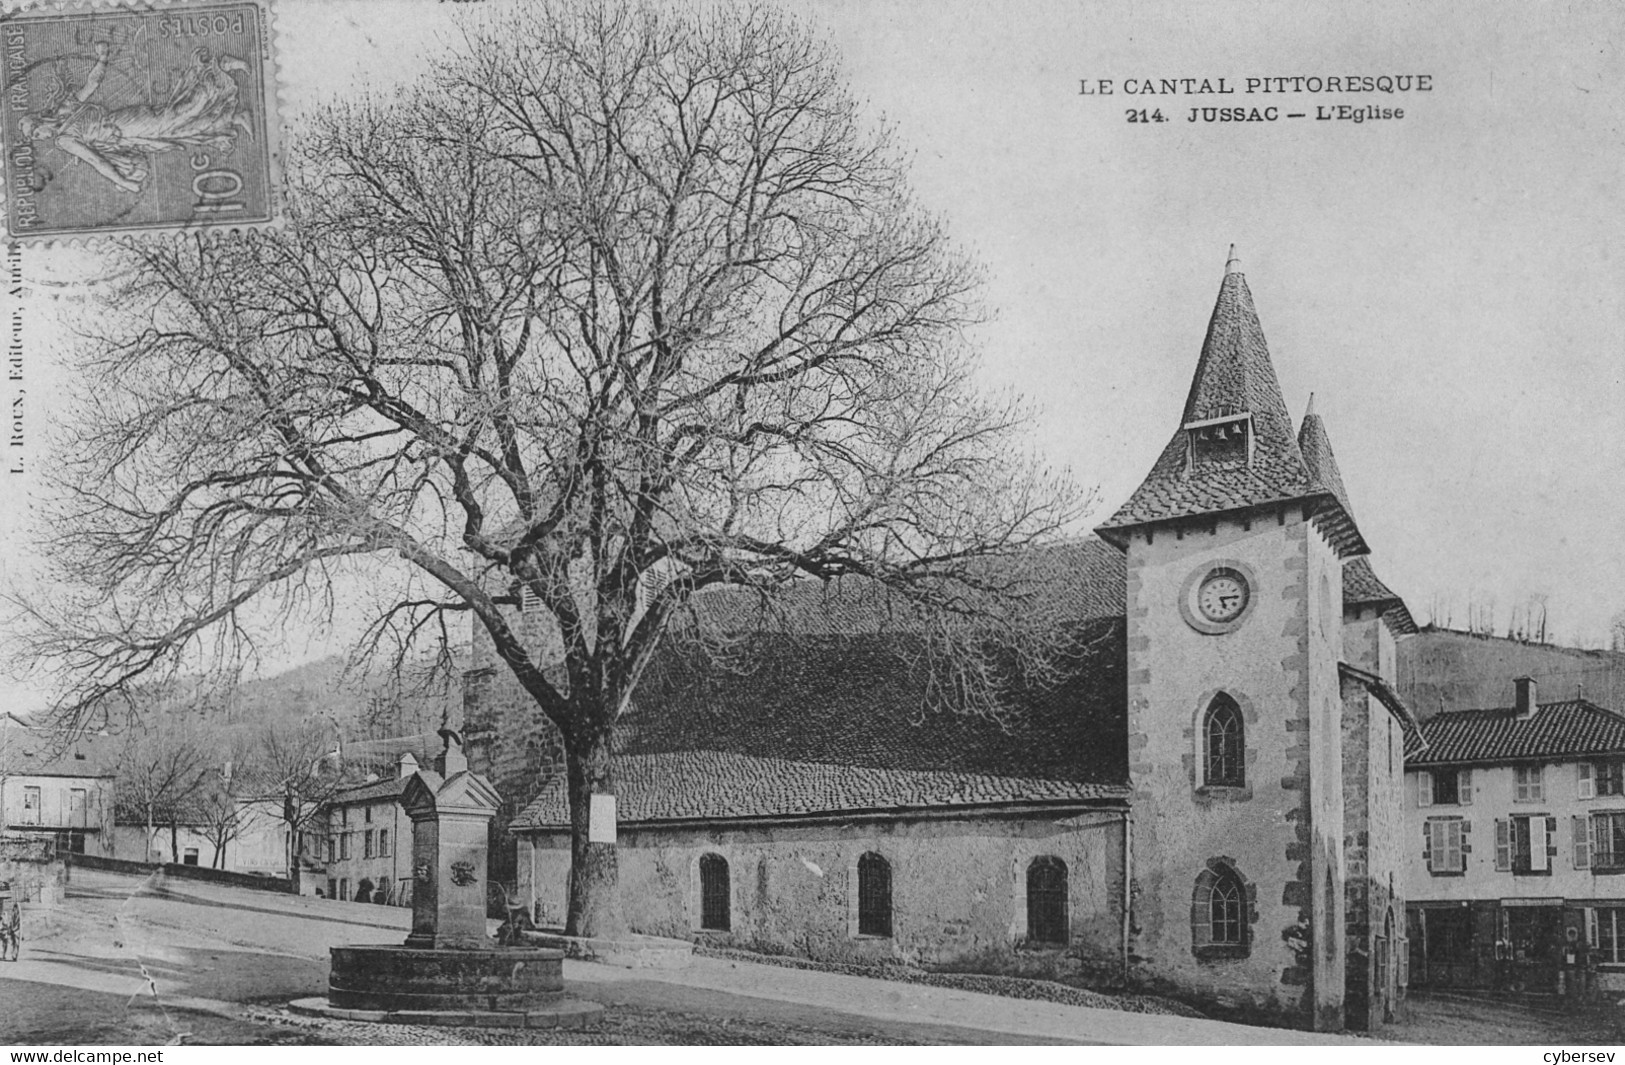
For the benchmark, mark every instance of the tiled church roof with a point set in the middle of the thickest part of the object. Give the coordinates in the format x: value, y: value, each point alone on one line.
x: 815, y: 721
x: 1570, y: 729
x: 1234, y: 376
x: 714, y: 785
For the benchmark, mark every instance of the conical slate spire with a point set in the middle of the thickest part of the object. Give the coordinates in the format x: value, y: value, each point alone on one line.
x: 1324, y: 476
x: 1234, y: 397
x: 1234, y: 374
x: 1316, y: 447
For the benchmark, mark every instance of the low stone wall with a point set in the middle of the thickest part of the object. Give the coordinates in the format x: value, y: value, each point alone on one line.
x: 184, y: 872
x: 30, y: 864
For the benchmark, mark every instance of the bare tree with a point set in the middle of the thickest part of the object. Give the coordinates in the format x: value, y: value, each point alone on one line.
x: 299, y: 765
x: 161, y: 773
x: 613, y: 307
x: 221, y: 819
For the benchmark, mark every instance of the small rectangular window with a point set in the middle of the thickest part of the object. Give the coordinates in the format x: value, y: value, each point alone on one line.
x: 383, y: 843
x: 344, y: 889
x: 715, y: 895
x: 1446, y: 788
x: 367, y: 813
x: 189, y: 856
x: 874, y: 896
x: 1527, y: 784
x: 366, y: 844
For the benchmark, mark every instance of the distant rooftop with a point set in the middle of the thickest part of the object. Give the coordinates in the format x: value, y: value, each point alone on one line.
x: 1571, y: 729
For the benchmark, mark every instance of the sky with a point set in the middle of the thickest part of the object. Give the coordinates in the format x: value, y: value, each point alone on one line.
x: 1446, y: 284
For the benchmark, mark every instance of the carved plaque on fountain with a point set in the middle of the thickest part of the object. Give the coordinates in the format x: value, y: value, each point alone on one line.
x: 450, y: 816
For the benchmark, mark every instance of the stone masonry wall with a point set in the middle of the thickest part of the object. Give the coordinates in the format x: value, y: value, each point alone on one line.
x: 958, y: 889
x: 1267, y: 831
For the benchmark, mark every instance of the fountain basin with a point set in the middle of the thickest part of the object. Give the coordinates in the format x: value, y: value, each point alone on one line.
x: 493, y: 979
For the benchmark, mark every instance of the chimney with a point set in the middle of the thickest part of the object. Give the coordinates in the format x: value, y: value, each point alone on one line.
x: 1525, y: 701
x: 409, y: 764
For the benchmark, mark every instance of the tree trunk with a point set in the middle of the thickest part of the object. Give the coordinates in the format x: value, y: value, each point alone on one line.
x: 595, y: 887
x: 174, y: 843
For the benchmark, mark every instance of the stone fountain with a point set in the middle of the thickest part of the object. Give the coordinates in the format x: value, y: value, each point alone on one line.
x: 449, y: 971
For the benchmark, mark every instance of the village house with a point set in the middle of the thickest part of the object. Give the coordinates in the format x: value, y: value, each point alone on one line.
x: 57, y: 784
x: 1516, y: 864
x: 366, y: 845
x: 1209, y: 806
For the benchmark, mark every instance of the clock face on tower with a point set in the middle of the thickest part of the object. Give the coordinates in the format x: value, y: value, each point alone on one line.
x: 1222, y: 596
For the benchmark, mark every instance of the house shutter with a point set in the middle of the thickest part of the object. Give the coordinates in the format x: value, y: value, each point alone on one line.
x: 1456, y: 839
x: 1582, y: 844
x: 1424, y: 789
x: 1503, y: 845
x: 1537, y: 784
x: 1537, y: 844
x: 1464, y: 787
x: 1427, y: 844
x: 1591, y: 928
x: 1586, y: 783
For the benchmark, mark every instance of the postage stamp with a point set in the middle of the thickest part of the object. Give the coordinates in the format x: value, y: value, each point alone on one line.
x: 123, y: 120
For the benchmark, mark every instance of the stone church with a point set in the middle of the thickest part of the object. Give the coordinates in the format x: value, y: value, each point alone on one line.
x: 1208, y: 806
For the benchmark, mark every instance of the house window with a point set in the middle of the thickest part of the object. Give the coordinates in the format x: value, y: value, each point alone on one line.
x: 30, y: 806
x: 366, y: 844
x: 1445, y: 843
x: 714, y: 894
x: 344, y: 889
x: 1046, y: 901
x: 1608, y: 840
x: 76, y: 804
x: 332, y: 849
x: 189, y: 856
x: 367, y: 815
x: 383, y: 843
x: 1610, y: 935
x: 1610, y: 778
x: 1446, y: 788
x: 1527, y: 786
x: 874, y: 896
x: 1524, y: 845
x: 332, y: 888
x: 1226, y: 744
x: 344, y: 846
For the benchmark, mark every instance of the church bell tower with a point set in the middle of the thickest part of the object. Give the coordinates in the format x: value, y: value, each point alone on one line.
x: 1234, y: 544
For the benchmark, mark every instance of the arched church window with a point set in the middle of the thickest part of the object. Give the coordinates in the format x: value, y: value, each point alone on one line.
x: 874, y: 895
x: 715, y: 909
x: 1226, y: 926
x: 1226, y: 744
x: 1046, y: 901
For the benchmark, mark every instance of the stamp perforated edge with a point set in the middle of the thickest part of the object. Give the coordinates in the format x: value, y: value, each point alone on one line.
x: 271, y: 91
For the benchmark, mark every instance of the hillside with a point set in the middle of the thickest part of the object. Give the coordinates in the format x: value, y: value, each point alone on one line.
x: 1449, y: 669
